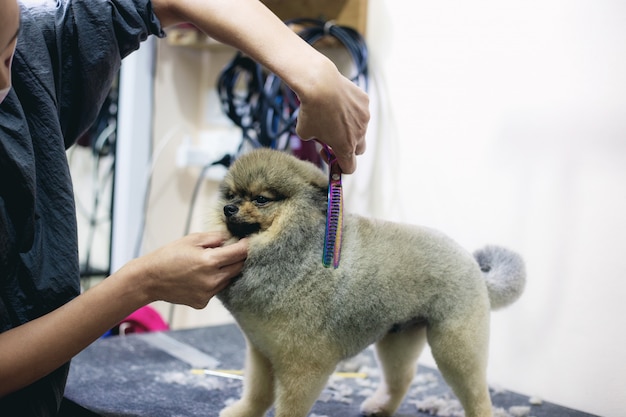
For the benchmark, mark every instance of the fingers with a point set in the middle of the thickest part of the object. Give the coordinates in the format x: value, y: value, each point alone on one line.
x: 347, y: 152
x: 208, y: 239
x: 347, y: 163
x: 231, y: 254
x: 221, y: 278
x: 226, y: 274
x: 222, y: 265
x: 361, y: 146
x: 346, y: 160
x: 215, y: 255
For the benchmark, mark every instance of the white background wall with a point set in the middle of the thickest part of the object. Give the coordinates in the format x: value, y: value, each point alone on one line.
x: 496, y: 122
x: 510, y: 125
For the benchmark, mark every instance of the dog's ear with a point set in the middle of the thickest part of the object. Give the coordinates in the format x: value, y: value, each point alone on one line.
x: 318, y: 181
x: 321, y: 192
x: 317, y: 178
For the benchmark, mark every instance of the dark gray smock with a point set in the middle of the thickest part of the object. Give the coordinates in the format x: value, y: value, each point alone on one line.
x: 68, y: 53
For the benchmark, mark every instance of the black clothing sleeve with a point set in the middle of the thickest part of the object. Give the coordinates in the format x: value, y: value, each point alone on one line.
x: 68, y: 53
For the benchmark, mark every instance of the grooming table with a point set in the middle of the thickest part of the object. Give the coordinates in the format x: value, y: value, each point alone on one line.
x: 151, y: 375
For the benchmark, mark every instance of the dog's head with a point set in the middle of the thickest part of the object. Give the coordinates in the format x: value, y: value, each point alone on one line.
x: 266, y: 190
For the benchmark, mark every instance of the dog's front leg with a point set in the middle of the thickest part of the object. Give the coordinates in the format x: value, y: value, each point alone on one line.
x: 258, y: 387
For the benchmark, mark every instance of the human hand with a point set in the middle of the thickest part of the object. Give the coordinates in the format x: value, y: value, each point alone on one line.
x: 188, y: 271
x: 191, y: 270
x: 335, y: 111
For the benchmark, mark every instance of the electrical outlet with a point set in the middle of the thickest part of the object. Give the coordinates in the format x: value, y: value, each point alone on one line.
x: 211, y: 147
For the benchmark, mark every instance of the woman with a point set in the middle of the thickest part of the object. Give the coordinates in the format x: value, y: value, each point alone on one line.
x: 57, y: 62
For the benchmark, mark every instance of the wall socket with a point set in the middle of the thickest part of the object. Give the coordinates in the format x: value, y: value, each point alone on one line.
x: 211, y: 146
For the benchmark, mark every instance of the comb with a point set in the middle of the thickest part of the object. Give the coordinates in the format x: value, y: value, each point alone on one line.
x: 334, y: 214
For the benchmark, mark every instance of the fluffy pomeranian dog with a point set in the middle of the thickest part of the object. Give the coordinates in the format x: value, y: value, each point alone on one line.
x: 397, y: 286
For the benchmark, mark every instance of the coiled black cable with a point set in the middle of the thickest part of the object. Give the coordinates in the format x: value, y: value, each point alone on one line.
x: 262, y: 105
x: 315, y: 30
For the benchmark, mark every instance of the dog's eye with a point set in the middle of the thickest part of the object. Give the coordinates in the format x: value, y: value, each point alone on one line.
x: 260, y: 200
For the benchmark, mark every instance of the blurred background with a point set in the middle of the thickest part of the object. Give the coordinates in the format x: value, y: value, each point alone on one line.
x: 494, y: 121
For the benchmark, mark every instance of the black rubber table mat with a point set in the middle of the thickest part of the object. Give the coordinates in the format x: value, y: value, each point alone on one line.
x: 129, y: 376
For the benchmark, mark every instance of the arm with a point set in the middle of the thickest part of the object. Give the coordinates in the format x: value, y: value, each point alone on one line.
x: 333, y: 109
x: 188, y: 271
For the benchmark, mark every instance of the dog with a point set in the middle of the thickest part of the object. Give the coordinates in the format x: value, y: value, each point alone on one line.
x: 397, y: 286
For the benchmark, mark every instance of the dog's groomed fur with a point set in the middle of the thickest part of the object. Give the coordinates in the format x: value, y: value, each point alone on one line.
x: 397, y: 286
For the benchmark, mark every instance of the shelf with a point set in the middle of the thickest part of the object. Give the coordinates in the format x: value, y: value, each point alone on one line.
x: 351, y: 13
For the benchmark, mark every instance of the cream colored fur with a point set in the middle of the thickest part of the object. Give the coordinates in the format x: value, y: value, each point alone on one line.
x: 398, y: 286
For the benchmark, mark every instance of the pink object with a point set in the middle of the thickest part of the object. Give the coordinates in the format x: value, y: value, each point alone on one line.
x: 144, y: 320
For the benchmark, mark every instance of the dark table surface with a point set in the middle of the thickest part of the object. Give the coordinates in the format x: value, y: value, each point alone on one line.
x: 130, y: 376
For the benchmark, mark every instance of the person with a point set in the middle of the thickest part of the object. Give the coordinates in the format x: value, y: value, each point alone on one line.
x: 57, y: 63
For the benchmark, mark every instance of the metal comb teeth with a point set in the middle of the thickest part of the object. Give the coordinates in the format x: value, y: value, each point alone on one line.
x: 334, y: 216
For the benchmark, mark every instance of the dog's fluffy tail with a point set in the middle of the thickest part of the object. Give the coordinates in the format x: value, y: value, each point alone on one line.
x: 504, y: 272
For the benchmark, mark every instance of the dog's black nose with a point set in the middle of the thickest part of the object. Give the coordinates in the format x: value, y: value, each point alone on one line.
x: 230, y: 210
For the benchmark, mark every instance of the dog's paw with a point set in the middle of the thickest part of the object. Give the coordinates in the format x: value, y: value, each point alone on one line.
x: 241, y: 409
x: 374, y: 407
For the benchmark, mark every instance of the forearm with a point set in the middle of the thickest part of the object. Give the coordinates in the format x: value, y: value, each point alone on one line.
x: 332, y: 108
x: 65, y: 331
x: 251, y: 27
x: 188, y: 271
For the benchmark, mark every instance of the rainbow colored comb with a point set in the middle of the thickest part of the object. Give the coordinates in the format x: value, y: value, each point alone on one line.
x: 334, y: 214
